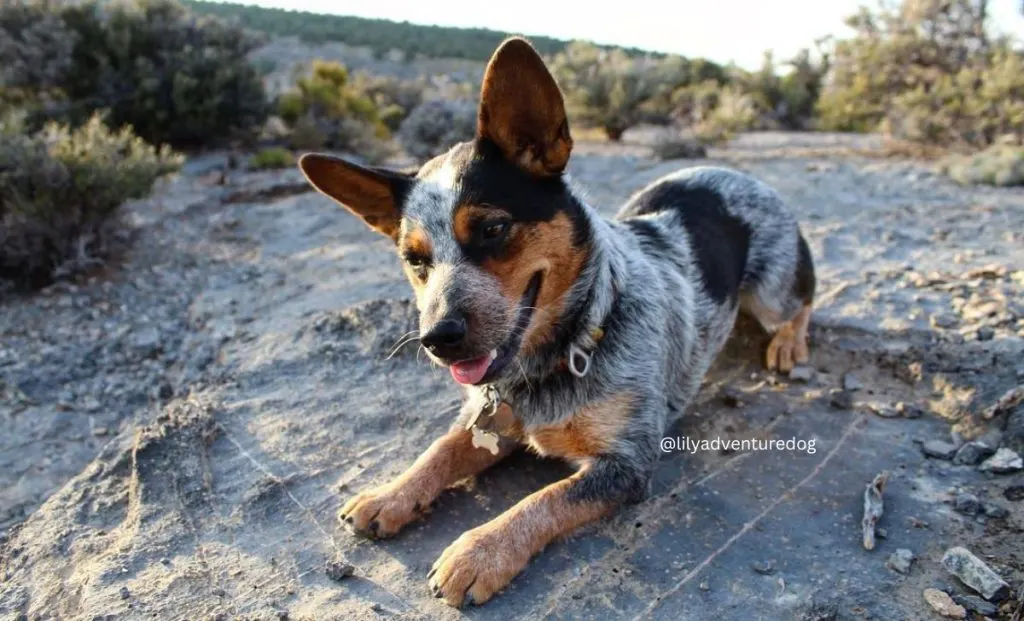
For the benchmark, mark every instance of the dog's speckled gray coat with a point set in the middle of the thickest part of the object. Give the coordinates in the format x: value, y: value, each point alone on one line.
x: 662, y: 327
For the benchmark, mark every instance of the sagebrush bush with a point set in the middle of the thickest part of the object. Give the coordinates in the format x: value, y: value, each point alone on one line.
x: 272, y: 158
x: 676, y: 147
x: 435, y: 126
x: 324, y: 110
x: 928, y: 72
x: 393, y: 97
x: 35, y: 52
x: 60, y: 190
x: 605, y: 89
x: 1000, y: 165
x: 174, y: 77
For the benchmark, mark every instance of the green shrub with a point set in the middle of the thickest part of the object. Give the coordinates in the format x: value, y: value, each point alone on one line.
x: 35, y: 53
x: 714, y: 112
x: 437, y: 125
x: 677, y: 147
x: 272, y: 158
x: 605, y: 89
x: 175, y: 78
x: 1000, y: 165
x: 393, y: 97
x: 324, y: 110
x: 60, y: 190
x: 928, y: 72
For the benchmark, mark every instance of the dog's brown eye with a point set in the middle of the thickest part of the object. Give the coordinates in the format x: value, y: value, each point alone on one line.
x: 495, y: 230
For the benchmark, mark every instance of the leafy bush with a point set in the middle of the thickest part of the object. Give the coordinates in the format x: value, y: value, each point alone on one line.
x: 679, y: 147
x: 715, y: 112
x: 272, y: 158
x: 1001, y: 165
x: 393, y: 97
x: 35, y: 52
x: 787, y: 100
x: 324, y: 110
x: 605, y: 89
x: 928, y: 72
x: 437, y: 125
x: 175, y: 78
x: 60, y: 190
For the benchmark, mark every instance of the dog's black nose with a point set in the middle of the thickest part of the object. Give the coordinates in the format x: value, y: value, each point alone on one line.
x: 446, y: 334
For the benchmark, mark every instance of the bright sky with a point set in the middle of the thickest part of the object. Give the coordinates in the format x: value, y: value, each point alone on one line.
x: 722, y: 30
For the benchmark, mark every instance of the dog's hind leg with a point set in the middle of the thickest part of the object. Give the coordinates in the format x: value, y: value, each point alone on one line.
x: 785, y: 311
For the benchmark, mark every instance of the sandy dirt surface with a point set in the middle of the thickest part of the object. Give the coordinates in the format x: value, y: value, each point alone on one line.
x: 180, y: 430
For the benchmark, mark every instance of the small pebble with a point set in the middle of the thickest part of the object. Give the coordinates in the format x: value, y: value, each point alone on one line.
x: 907, y: 410
x: 944, y: 320
x: 851, y: 382
x: 125, y: 593
x: 944, y: 604
x: 976, y: 605
x: 900, y: 561
x: 1004, y: 461
x: 994, y: 511
x: 939, y: 449
x: 339, y: 570
x: 973, y: 572
x: 704, y: 586
x: 967, y: 503
x: 802, y: 373
x: 972, y: 454
x: 985, y: 333
x: 841, y: 400
x: 765, y: 568
x: 883, y: 410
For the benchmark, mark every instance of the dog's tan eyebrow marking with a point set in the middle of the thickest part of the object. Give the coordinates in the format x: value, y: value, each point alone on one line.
x: 416, y: 242
x: 467, y: 214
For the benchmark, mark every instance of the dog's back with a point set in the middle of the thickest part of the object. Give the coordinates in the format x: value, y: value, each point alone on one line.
x: 734, y: 239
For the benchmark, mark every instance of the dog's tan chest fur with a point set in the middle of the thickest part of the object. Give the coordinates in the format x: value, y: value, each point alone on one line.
x: 589, y: 432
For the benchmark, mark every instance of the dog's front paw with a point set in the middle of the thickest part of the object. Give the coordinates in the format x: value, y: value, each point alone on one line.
x: 381, y: 512
x: 476, y: 566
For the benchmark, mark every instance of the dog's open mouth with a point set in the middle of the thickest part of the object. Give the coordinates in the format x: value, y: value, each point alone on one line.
x: 486, y: 367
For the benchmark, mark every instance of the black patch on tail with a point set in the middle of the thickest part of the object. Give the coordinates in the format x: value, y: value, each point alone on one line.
x: 805, y: 280
x: 720, y: 242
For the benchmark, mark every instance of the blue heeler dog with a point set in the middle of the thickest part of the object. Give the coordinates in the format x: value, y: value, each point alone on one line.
x: 575, y: 335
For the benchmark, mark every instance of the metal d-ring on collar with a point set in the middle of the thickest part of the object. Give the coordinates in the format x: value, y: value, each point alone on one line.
x: 579, y: 361
x: 579, y: 358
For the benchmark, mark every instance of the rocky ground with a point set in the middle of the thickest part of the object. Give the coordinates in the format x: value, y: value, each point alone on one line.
x: 181, y: 428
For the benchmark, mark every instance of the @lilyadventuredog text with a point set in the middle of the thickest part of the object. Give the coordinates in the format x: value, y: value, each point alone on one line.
x: 684, y: 444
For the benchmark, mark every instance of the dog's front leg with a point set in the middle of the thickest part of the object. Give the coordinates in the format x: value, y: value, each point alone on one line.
x: 383, y: 511
x: 483, y: 560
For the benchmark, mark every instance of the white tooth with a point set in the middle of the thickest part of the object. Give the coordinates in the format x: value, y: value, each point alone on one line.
x: 493, y: 354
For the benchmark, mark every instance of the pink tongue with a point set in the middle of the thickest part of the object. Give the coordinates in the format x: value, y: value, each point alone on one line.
x: 470, y: 371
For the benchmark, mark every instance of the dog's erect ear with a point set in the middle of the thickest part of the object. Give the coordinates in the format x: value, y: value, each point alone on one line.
x: 522, y: 111
x: 373, y: 194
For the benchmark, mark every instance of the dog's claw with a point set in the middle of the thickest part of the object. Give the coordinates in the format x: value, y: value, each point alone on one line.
x: 433, y: 570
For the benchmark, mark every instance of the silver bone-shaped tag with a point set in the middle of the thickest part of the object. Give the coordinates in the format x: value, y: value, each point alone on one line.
x: 483, y: 438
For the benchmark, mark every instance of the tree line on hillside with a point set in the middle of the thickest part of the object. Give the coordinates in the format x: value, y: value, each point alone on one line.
x: 380, y: 35
x: 94, y: 95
